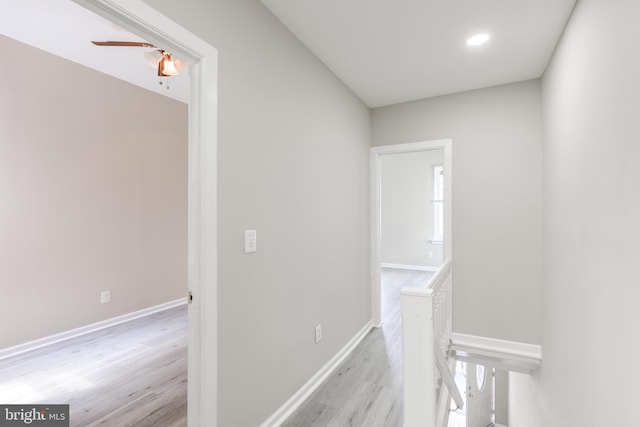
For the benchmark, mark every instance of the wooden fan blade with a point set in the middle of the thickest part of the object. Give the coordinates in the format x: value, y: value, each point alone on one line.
x: 125, y: 44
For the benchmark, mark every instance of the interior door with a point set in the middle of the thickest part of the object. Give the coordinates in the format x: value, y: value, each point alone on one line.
x: 479, y: 395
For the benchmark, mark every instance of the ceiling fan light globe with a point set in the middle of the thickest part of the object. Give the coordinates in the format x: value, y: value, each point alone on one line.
x: 170, y: 69
x: 180, y: 64
x: 166, y: 67
x: 153, y: 57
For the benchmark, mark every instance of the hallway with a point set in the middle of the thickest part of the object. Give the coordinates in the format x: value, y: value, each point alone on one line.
x: 366, y: 390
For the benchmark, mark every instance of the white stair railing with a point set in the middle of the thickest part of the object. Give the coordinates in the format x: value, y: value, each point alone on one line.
x: 448, y: 390
x: 426, y: 330
x: 446, y: 369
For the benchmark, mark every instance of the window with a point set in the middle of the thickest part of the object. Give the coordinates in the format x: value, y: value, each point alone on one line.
x: 481, y: 376
x: 438, y: 203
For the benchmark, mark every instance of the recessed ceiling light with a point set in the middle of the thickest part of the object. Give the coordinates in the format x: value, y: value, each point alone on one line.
x: 478, y: 39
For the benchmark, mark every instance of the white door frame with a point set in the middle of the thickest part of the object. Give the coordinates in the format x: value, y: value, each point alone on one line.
x: 139, y: 18
x: 376, y: 243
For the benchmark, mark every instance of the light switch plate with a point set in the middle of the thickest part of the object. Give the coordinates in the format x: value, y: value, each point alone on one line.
x: 250, y: 244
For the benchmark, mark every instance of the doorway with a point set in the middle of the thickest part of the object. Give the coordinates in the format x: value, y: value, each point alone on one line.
x: 476, y: 384
x: 443, y: 245
x: 412, y: 210
x: 140, y: 18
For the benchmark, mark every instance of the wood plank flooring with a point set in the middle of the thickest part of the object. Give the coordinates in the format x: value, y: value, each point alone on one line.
x: 135, y: 374
x: 132, y: 374
x: 366, y: 389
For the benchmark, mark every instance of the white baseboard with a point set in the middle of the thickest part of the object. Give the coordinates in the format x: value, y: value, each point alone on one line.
x: 408, y: 267
x: 83, y: 330
x: 294, y: 402
x: 499, y: 425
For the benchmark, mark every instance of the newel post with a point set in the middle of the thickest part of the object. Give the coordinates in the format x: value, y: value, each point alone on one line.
x: 418, y: 358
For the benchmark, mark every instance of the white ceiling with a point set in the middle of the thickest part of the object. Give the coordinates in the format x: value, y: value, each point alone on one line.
x: 65, y: 29
x: 392, y: 51
x: 386, y: 51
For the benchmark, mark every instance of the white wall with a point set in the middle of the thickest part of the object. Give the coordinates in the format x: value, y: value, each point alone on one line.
x: 294, y: 165
x: 93, y: 196
x: 591, y: 296
x: 524, y: 410
x: 407, y: 220
x: 497, y: 200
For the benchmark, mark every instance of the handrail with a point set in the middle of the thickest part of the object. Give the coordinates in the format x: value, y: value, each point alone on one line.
x: 443, y: 407
x: 439, y: 276
x: 433, y: 283
x: 448, y: 380
x: 440, y: 286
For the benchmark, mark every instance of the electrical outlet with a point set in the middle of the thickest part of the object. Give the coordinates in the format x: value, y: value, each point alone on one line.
x: 105, y: 297
x: 430, y: 254
x: 318, y: 333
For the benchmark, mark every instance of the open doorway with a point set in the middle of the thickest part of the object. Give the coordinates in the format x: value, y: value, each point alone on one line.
x: 95, y: 240
x: 415, y: 233
x: 476, y: 384
x: 412, y: 220
x: 142, y: 20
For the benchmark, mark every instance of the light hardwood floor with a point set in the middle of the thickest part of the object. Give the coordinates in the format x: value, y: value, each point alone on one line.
x: 135, y: 374
x: 132, y: 374
x: 366, y: 389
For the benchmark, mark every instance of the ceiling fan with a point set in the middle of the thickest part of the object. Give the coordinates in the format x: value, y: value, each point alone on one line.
x: 167, y: 67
